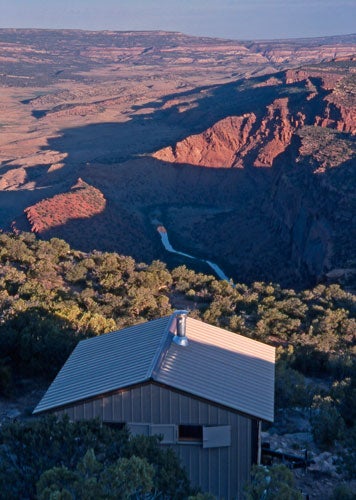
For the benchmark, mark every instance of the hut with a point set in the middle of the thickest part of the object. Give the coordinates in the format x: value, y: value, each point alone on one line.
x: 203, y: 389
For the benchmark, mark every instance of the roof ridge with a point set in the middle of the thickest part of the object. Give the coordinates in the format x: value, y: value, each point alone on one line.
x: 161, y: 349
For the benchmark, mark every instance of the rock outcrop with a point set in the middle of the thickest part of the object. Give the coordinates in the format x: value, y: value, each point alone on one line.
x: 82, y: 201
x: 237, y: 141
x: 218, y: 146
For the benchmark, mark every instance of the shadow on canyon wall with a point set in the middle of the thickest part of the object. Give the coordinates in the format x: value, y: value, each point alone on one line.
x: 248, y: 234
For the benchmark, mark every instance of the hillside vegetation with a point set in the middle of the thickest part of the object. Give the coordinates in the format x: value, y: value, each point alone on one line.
x: 52, y: 296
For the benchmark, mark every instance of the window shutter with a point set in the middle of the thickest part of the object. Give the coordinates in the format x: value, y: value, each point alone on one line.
x: 135, y: 429
x: 217, y: 436
x: 168, y: 431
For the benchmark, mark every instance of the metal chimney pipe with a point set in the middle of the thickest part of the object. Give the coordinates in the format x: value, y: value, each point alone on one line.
x: 180, y: 338
x: 181, y: 325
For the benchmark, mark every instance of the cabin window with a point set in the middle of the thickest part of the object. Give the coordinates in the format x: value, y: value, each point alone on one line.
x: 115, y: 425
x: 190, y: 433
x: 168, y: 432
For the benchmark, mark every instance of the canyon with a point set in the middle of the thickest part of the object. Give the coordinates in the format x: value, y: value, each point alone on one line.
x: 244, y: 150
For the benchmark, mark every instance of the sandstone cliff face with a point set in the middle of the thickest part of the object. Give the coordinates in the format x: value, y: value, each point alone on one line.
x: 338, y: 115
x: 236, y: 141
x: 257, y: 139
x: 309, y: 197
x: 216, y: 147
x: 281, y: 51
x: 305, y: 140
x: 276, y: 131
x: 299, y: 221
x: 339, y: 110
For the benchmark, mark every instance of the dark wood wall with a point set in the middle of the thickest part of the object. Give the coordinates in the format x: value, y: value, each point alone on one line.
x: 220, y: 470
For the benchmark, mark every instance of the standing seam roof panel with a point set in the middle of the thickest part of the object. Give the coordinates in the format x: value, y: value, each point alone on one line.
x: 106, y: 363
x: 223, y: 367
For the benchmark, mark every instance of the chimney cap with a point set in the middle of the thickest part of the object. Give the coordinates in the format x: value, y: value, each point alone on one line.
x: 180, y: 312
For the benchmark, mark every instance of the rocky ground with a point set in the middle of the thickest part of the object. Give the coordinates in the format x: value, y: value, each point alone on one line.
x: 291, y: 434
x: 25, y: 396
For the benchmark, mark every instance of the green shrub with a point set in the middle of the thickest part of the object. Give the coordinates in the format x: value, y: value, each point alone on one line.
x: 272, y: 483
x: 327, y: 423
x: 124, y: 479
x: 68, y: 459
x: 290, y: 387
x: 343, y: 492
x: 5, y: 378
x: 36, y: 342
x: 347, y: 457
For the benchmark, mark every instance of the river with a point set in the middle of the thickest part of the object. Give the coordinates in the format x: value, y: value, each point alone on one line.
x: 165, y: 241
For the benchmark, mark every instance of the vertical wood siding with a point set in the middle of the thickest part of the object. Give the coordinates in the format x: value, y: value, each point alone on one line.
x: 221, y: 471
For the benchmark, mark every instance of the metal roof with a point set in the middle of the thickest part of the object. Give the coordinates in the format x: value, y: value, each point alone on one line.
x: 106, y: 363
x: 223, y: 367
x: 217, y: 365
